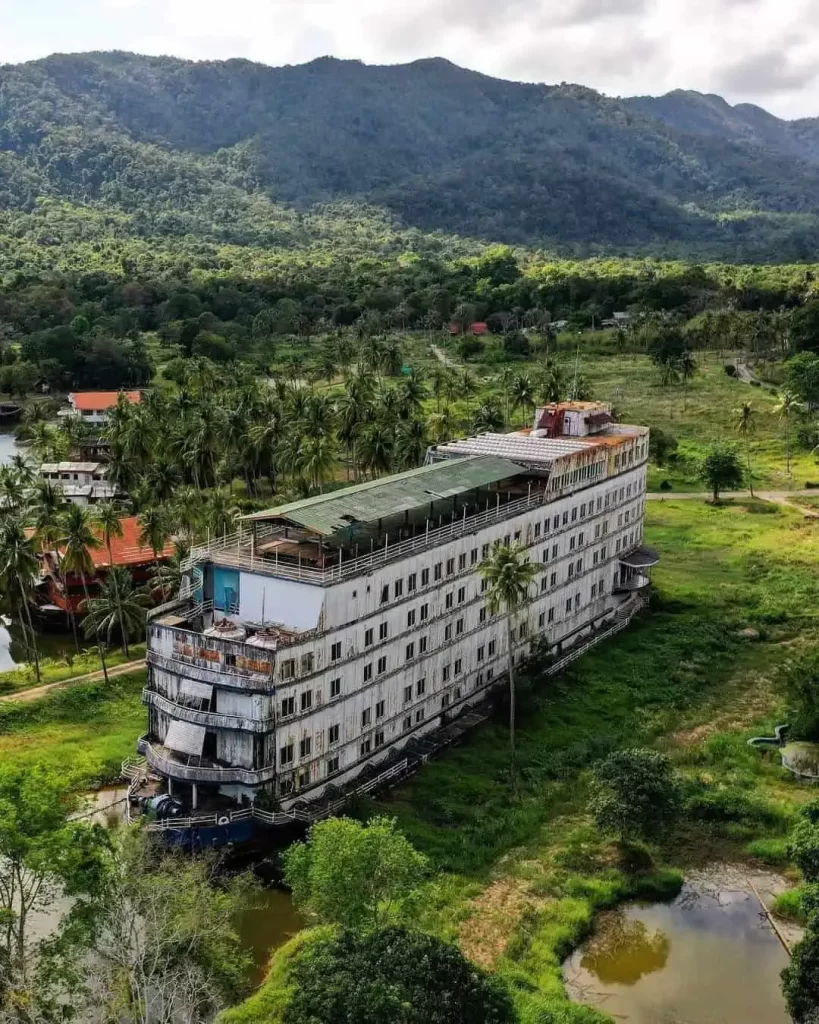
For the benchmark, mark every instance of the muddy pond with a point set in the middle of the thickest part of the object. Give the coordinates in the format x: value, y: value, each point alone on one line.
x: 709, y: 957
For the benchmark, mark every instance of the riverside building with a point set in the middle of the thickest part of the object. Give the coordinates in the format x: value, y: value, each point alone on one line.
x: 318, y: 645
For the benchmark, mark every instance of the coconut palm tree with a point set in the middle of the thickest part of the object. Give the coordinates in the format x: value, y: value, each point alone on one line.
x: 47, y: 507
x: 522, y: 393
x: 509, y: 574
x: 118, y: 610
x: 219, y: 514
x: 787, y: 406
x: 108, y: 521
x: 468, y: 388
x: 411, y: 443
x: 440, y: 426
x: 167, y: 579
x: 488, y: 418
x: 154, y: 530
x: 19, y: 569
x: 745, y: 426
x: 505, y: 378
x: 375, y: 448
x: 317, y: 457
x: 411, y: 394
x: 687, y: 365
x: 76, y: 543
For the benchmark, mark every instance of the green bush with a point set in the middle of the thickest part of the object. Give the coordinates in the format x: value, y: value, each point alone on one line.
x: 773, y: 851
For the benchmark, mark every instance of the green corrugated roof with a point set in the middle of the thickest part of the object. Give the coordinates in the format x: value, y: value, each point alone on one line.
x: 364, y: 503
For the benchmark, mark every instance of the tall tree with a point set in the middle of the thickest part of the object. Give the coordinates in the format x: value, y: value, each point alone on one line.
x: 786, y: 408
x: 19, y: 569
x: 509, y: 574
x: 745, y: 420
x: 118, y: 610
x: 77, y: 542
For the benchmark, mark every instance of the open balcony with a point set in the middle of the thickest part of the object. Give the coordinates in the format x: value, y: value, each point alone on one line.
x: 208, y: 719
x: 195, y: 768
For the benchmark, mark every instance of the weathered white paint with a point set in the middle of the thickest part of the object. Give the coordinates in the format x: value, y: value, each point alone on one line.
x: 591, y: 516
x: 266, y: 600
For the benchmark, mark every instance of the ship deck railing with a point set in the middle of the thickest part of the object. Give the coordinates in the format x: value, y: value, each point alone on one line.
x: 237, y: 550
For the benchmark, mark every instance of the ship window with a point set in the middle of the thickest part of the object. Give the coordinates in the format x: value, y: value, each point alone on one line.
x: 288, y: 668
x: 332, y: 766
x: 335, y: 687
x: 307, y: 700
x: 335, y: 651
x: 305, y: 746
x: 286, y: 754
x: 288, y: 706
x: 333, y: 733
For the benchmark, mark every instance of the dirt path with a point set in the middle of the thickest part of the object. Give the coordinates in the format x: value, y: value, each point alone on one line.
x: 442, y: 357
x: 780, y: 497
x: 35, y: 692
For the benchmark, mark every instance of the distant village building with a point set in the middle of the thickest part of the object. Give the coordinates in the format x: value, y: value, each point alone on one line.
x: 329, y: 642
x: 95, y: 406
x: 479, y: 328
x: 83, y: 483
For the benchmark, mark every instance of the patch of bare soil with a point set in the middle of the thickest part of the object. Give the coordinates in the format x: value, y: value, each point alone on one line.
x: 495, y: 916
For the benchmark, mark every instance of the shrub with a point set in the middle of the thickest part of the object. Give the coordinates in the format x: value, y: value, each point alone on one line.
x: 393, y: 975
x: 803, y: 844
x: 634, y: 793
x: 772, y: 851
x: 800, y: 979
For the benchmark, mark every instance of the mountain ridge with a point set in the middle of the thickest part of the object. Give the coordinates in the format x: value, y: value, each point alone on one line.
x: 194, y: 145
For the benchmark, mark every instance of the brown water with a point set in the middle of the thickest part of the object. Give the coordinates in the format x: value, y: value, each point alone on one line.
x: 709, y: 957
x: 266, y: 927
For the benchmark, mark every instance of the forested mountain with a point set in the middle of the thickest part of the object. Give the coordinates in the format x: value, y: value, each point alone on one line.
x: 743, y: 123
x: 237, y: 152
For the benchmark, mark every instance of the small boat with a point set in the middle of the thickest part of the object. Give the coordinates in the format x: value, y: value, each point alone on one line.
x: 9, y: 412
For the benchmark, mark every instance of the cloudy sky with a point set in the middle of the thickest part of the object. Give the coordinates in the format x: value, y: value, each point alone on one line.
x: 760, y: 51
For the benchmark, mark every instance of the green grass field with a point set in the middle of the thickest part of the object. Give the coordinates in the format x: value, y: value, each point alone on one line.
x: 87, y: 729
x: 521, y: 881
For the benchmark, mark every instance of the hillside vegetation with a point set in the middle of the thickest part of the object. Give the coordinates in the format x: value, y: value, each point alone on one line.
x: 230, y: 151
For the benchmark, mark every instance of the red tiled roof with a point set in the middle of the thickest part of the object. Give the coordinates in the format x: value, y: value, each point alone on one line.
x: 88, y: 401
x: 126, y: 549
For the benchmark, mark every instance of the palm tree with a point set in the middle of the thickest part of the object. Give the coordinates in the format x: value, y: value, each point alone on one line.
x: 108, y: 521
x: 153, y: 530
x: 411, y: 394
x: 488, y: 418
x: 745, y: 425
x: 375, y: 448
x: 19, y: 568
x: 509, y: 574
x: 785, y: 408
x: 440, y: 426
x: 316, y: 459
x: 119, y: 609
x: 77, y: 542
x: 411, y: 443
x: 167, y: 579
x: 468, y: 388
x: 46, y: 509
x: 505, y: 378
x: 220, y: 515
x: 687, y: 367
x: 438, y: 377
x: 522, y: 392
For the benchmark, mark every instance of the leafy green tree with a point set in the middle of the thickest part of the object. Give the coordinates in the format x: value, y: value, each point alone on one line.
x: 358, y: 876
x: 800, y: 979
x: 488, y: 418
x: 160, y: 930
x: 804, y: 327
x: 43, y: 855
x: 721, y: 470
x: 802, y: 377
x: 509, y: 574
x: 392, y: 975
x: 634, y: 794
x: 661, y: 446
x: 803, y: 842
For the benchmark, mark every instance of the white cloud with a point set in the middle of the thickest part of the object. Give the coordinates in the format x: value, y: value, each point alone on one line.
x: 762, y: 51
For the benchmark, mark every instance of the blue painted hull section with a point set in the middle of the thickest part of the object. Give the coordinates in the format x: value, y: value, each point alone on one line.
x: 211, y: 837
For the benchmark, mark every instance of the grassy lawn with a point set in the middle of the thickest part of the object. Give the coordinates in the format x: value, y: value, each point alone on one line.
x: 521, y: 880
x: 88, y: 729
x: 56, y: 670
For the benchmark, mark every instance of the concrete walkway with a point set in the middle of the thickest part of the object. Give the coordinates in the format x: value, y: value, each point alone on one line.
x: 35, y: 692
